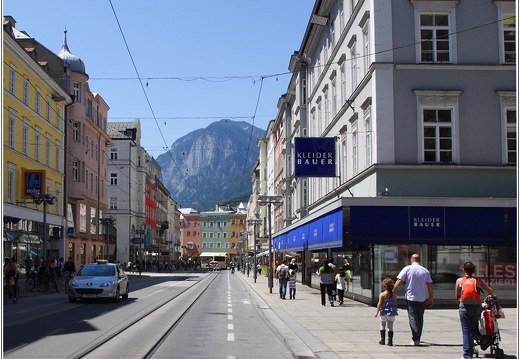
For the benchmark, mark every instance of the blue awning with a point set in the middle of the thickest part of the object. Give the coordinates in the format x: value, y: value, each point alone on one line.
x: 321, y: 233
x: 433, y: 225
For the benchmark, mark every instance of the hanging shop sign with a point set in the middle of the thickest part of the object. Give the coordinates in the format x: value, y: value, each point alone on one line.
x: 315, y: 157
x: 33, y: 182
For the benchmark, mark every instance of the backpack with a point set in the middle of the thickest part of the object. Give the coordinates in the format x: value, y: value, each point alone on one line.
x: 282, y: 273
x: 468, y: 291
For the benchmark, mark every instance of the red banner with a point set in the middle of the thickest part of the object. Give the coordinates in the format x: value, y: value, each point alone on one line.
x: 498, y: 274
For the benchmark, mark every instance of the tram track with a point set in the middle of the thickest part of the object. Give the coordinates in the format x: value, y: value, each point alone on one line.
x: 141, y: 336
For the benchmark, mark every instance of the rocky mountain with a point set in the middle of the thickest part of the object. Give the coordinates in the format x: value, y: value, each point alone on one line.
x: 212, y: 165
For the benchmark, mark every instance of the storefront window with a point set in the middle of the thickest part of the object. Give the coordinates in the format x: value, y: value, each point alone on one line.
x: 496, y: 265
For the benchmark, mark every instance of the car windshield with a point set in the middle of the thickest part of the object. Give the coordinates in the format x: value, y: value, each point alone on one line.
x: 98, y: 271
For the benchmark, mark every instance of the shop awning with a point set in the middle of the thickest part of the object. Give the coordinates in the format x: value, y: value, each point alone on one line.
x: 211, y: 254
x: 22, y: 237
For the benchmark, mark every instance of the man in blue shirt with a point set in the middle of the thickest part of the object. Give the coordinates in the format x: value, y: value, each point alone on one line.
x: 418, y: 292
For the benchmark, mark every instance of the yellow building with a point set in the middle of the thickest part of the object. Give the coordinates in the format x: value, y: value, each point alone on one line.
x: 33, y: 152
x: 237, y: 238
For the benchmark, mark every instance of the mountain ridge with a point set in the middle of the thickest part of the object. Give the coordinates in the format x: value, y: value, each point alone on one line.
x: 225, y: 152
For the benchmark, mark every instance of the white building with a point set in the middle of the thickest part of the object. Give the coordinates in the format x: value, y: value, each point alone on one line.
x: 420, y: 98
x: 126, y: 173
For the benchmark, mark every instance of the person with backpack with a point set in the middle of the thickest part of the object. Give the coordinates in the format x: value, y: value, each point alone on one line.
x: 282, y: 274
x: 467, y: 291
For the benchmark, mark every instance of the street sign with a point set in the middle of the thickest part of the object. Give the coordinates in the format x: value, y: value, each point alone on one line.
x: 137, y: 241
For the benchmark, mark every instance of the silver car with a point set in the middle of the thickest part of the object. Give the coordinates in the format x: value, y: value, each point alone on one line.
x: 98, y: 280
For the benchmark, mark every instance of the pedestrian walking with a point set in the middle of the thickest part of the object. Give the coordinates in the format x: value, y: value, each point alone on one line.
x: 348, y: 274
x: 467, y: 291
x: 292, y: 284
x: 326, y: 274
x: 340, y: 284
x: 282, y: 274
x: 335, y: 269
x: 51, y: 265
x: 387, y: 310
x: 418, y: 294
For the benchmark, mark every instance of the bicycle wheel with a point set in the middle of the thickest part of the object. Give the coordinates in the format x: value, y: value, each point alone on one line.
x: 43, y: 286
x: 30, y: 284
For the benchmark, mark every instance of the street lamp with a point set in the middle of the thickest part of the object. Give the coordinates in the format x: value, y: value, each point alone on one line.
x: 262, y: 201
x: 107, y: 221
x: 254, y: 222
x: 46, y: 199
x: 243, y: 238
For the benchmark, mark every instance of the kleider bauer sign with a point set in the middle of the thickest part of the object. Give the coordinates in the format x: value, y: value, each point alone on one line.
x: 315, y: 157
x: 33, y: 182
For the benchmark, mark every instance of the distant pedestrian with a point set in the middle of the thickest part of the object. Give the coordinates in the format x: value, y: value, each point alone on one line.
x: 28, y: 264
x: 418, y: 294
x: 470, y: 307
x: 37, y: 263
x: 340, y: 284
x: 69, y: 267
x: 282, y: 274
x: 335, y: 269
x: 259, y: 268
x: 348, y: 274
x: 387, y: 308
x: 292, y: 284
x: 326, y: 274
x: 293, y: 265
x: 51, y: 264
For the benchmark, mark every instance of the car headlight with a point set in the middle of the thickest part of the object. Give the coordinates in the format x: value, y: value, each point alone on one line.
x: 108, y: 284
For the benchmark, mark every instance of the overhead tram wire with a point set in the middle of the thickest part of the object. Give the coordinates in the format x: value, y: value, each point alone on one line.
x: 145, y: 94
x: 263, y: 77
x: 228, y: 78
x: 252, y: 127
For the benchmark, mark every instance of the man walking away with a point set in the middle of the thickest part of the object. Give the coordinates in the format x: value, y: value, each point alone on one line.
x: 282, y: 274
x: 418, y: 293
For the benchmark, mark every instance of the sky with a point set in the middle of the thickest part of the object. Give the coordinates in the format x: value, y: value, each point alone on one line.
x: 177, y: 65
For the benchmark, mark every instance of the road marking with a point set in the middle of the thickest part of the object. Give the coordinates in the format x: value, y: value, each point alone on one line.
x: 231, y: 337
x: 230, y: 326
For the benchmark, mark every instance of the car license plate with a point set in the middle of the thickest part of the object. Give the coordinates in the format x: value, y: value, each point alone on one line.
x: 89, y: 296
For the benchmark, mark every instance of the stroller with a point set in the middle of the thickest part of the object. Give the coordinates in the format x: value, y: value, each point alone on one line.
x: 487, y: 334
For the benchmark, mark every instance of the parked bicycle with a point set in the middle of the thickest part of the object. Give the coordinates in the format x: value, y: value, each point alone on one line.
x: 45, y: 283
x: 32, y: 280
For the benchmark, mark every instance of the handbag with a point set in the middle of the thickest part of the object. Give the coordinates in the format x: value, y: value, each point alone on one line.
x: 11, y: 282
